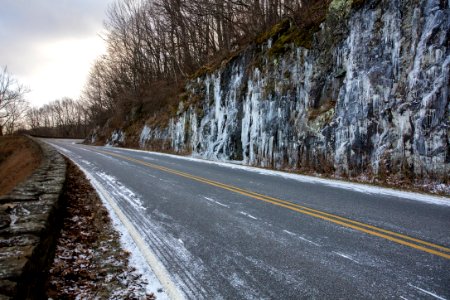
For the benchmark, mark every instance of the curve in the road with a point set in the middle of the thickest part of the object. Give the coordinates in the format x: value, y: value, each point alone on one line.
x: 362, y: 227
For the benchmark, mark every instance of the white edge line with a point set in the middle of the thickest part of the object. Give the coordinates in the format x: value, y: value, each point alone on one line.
x: 158, y: 268
x: 354, y: 186
x: 427, y: 292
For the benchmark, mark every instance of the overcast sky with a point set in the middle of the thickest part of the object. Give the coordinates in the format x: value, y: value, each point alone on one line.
x: 49, y: 45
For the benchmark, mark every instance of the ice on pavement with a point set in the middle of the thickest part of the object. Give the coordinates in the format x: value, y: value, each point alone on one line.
x: 117, y: 189
x: 357, y: 187
x: 136, y: 258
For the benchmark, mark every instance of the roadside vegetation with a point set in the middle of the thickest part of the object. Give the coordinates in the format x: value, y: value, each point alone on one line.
x: 12, y: 103
x: 153, y: 47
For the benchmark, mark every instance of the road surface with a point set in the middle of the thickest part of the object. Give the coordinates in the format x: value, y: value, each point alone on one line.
x: 234, y: 232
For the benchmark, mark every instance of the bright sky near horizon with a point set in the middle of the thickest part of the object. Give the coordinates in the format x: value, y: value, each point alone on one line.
x: 50, y: 45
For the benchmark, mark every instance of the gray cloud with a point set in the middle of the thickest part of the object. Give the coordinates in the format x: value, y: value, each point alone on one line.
x: 26, y: 24
x: 51, y: 18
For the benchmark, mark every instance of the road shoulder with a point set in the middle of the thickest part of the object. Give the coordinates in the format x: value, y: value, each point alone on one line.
x: 89, y: 260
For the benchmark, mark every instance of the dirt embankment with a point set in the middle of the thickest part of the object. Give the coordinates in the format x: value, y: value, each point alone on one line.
x: 19, y: 157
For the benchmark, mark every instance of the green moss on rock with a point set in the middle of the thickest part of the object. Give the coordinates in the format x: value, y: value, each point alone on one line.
x: 274, y: 32
x: 300, y: 38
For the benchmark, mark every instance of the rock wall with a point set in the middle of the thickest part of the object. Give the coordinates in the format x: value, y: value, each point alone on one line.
x: 369, y: 98
x: 30, y: 219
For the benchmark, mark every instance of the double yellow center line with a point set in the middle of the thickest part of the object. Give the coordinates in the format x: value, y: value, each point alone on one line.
x: 345, y: 222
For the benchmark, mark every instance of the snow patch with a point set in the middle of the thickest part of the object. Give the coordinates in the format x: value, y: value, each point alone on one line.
x: 119, y: 190
x: 216, y: 202
x: 301, y: 238
x: 346, y: 256
x: 137, y: 258
x: 356, y: 187
x: 288, y: 232
x: 248, y: 215
x: 85, y: 162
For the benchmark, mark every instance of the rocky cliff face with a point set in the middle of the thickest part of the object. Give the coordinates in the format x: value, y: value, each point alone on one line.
x: 370, y: 97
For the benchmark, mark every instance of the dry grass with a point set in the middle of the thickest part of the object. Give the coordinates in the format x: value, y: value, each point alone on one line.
x: 19, y: 157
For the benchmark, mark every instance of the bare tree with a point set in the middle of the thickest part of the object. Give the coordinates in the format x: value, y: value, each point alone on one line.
x: 16, y: 116
x: 154, y: 44
x: 61, y: 118
x: 12, y: 102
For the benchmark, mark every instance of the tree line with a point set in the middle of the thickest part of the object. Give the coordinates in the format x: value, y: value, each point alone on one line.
x: 59, y: 118
x: 12, y: 103
x: 66, y: 118
x: 152, y: 47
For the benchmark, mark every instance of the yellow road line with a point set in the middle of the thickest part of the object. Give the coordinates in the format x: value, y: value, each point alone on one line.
x: 357, y: 223
x: 366, y: 228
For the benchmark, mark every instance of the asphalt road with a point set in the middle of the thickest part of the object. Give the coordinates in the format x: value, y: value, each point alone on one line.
x: 227, y: 232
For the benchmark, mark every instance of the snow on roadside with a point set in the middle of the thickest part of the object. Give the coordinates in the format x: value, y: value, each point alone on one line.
x: 119, y: 190
x: 136, y: 259
x: 357, y: 187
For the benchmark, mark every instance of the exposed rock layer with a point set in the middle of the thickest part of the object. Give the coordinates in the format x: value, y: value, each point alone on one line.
x: 370, y: 98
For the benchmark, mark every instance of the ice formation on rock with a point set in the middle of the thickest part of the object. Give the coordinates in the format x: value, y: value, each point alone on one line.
x: 375, y: 100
